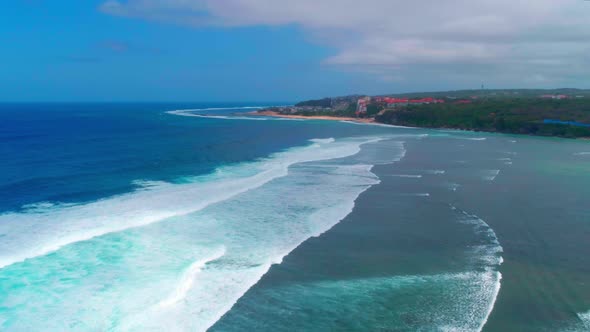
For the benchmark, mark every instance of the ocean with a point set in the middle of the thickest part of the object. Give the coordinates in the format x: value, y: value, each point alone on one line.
x: 194, y: 217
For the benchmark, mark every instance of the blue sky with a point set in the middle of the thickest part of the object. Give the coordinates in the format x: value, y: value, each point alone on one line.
x: 260, y: 50
x: 75, y: 52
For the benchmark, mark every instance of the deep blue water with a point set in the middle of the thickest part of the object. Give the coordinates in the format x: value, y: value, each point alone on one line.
x: 152, y: 217
x: 81, y: 152
x: 129, y: 217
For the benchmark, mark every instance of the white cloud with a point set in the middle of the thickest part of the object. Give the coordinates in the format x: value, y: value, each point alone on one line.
x: 510, y: 39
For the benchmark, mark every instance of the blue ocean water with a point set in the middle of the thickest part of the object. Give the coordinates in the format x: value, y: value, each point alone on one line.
x: 162, y: 217
x: 81, y: 152
x: 110, y: 212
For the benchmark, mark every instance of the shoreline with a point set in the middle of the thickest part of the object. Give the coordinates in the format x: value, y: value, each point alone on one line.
x: 372, y: 121
x: 319, y: 117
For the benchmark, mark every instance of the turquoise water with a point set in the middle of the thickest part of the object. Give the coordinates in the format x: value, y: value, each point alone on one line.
x: 150, y: 217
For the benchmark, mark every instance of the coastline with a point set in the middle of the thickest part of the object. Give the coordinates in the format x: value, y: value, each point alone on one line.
x: 319, y: 117
x: 368, y: 251
x: 357, y: 256
x: 372, y: 121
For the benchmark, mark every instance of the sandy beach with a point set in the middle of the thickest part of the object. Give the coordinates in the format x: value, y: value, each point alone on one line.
x: 319, y: 117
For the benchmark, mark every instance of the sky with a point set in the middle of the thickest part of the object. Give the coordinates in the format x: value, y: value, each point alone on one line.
x: 286, y: 50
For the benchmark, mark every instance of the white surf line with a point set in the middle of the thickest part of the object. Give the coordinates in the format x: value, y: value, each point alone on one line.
x: 336, y: 215
x: 341, y: 214
x: 322, y: 140
x: 498, y: 284
x: 405, y: 176
x: 582, y: 154
x: 585, y: 318
x: 436, y: 171
x: 223, y: 117
x: 466, y: 138
x: 492, y: 174
x: 216, y: 109
x: 497, y: 287
x: 454, y: 186
x: 80, y: 223
x: 186, y: 281
x: 253, y: 117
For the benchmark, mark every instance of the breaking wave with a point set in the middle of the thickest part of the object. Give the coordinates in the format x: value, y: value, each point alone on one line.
x: 177, y: 256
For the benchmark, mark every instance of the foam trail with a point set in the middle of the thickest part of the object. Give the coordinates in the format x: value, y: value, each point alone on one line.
x: 454, y: 186
x: 257, y: 234
x: 468, y: 138
x: 323, y: 140
x: 222, y: 117
x: 57, y: 227
x: 191, y: 113
x: 585, y: 318
x: 406, y: 176
x: 488, y: 255
x: 491, y: 174
x: 582, y: 154
x: 183, y: 111
x: 186, y: 282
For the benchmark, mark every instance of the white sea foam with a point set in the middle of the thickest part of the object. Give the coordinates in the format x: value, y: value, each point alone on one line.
x: 186, y: 271
x: 323, y: 140
x: 436, y: 171
x: 582, y: 154
x: 186, y: 282
x: 180, y: 112
x: 453, y: 186
x: 191, y: 113
x: 487, y: 255
x: 456, y: 302
x: 585, y: 318
x: 490, y: 175
x: 461, y: 137
x: 63, y: 225
x: 411, y: 176
x: 258, y: 229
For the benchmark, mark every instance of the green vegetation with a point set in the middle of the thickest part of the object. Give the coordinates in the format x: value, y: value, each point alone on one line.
x: 505, y: 115
x: 325, y: 102
x: 520, y: 111
x: 497, y: 93
x: 373, y: 109
x: 347, y: 112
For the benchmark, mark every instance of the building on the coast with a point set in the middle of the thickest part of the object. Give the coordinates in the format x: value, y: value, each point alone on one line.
x: 361, y: 106
x: 554, y: 96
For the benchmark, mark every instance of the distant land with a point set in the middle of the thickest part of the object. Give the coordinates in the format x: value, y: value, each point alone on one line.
x: 553, y: 112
